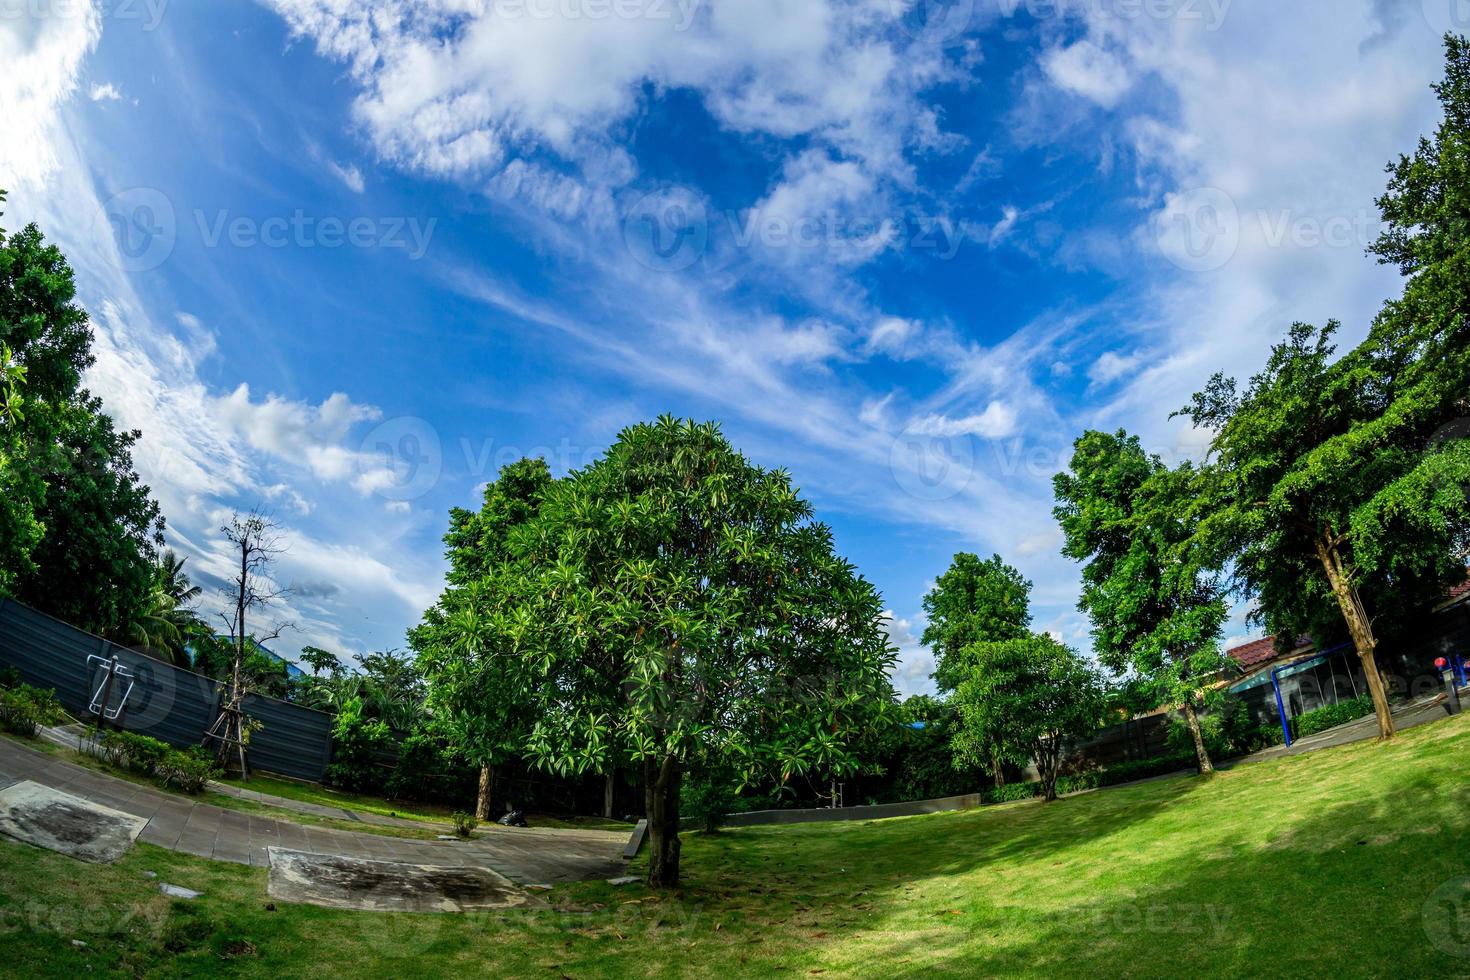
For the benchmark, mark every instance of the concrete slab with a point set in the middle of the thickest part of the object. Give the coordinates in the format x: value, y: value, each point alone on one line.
x: 61, y: 822
x: 384, y: 886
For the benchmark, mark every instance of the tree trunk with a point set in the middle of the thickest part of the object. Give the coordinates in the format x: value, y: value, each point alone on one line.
x: 1361, y: 629
x: 607, y: 797
x: 482, y: 799
x: 997, y: 771
x: 662, y: 798
x: 1205, y: 766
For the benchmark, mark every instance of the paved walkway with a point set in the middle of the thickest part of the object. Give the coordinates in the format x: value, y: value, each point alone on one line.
x: 524, y: 855
x: 1408, y: 716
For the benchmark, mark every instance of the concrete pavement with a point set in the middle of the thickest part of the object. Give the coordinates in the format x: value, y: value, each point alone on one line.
x: 525, y: 856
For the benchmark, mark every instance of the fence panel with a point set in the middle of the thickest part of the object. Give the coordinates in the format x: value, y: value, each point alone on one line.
x: 166, y: 702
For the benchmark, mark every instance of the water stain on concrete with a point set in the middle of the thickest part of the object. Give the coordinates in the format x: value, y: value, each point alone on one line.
x: 340, y: 882
x: 61, y: 822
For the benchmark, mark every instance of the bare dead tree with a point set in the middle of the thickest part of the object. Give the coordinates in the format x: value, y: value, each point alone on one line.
x: 256, y: 537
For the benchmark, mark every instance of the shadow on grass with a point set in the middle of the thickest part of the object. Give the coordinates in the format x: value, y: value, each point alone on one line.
x: 1365, y: 876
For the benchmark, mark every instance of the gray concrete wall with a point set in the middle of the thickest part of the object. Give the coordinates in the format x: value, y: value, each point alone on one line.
x: 168, y: 703
x: 759, y: 817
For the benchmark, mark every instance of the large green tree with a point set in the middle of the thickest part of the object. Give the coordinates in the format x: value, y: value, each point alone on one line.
x: 478, y: 689
x: 1335, y: 481
x: 974, y: 601
x: 67, y: 471
x: 1156, y: 606
x: 689, y: 614
x: 1029, y: 698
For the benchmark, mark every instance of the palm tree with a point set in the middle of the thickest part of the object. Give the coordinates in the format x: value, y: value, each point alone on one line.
x: 165, y: 626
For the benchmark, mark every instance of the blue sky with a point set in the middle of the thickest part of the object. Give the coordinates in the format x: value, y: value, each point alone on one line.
x: 345, y: 259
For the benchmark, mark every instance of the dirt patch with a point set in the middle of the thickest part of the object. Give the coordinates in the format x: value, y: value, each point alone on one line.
x: 385, y: 886
x: 60, y: 822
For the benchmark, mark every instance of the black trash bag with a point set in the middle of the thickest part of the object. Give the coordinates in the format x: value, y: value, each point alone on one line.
x: 515, y: 818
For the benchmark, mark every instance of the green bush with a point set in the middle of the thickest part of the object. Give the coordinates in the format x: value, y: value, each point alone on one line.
x: 425, y: 768
x: 1178, y: 740
x: 464, y: 824
x: 1330, y: 716
x: 708, y: 799
x: 357, y: 744
x: 24, y: 710
x: 186, y: 771
x: 131, y: 751
x: 1127, y: 772
x: 1011, y: 792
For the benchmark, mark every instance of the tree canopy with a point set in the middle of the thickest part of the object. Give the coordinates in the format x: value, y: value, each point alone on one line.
x: 477, y: 688
x: 686, y: 612
x: 1333, y: 482
x: 1155, y: 602
x: 973, y: 601
x: 1029, y: 699
x: 80, y: 530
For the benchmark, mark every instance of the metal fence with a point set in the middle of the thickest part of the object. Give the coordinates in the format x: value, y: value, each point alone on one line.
x: 167, y: 702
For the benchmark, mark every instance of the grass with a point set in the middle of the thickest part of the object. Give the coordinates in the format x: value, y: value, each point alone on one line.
x: 437, y: 819
x: 1341, y: 863
x: 326, y: 796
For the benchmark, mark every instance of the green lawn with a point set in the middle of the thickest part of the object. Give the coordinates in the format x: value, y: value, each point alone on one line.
x: 326, y: 796
x: 1333, y: 864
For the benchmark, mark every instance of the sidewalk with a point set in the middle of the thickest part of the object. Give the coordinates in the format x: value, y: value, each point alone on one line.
x: 1408, y: 716
x: 181, y: 824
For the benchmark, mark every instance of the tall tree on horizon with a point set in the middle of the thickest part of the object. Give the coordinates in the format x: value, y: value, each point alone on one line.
x: 80, y: 529
x: 1156, y: 609
x: 690, y: 615
x: 1340, y: 481
x: 477, y: 686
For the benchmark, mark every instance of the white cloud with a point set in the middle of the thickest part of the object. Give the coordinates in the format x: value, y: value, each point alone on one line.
x: 105, y: 93
x: 913, y: 671
x: 1088, y: 70
x: 349, y: 175
x: 42, y: 50
x: 1111, y: 366
x: 1003, y: 227
x: 996, y: 422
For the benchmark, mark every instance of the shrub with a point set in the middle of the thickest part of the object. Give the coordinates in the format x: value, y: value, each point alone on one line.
x: 425, y: 768
x: 357, y: 743
x: 187, y: 771
x: 1330, y: 716
x: 131, y: 751
x: 1011, y: 792
x: 708, y: 799
x: 1162, y: 765
x: 24, y: 710
x: 1179, y: 741
x: 464, y: 824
